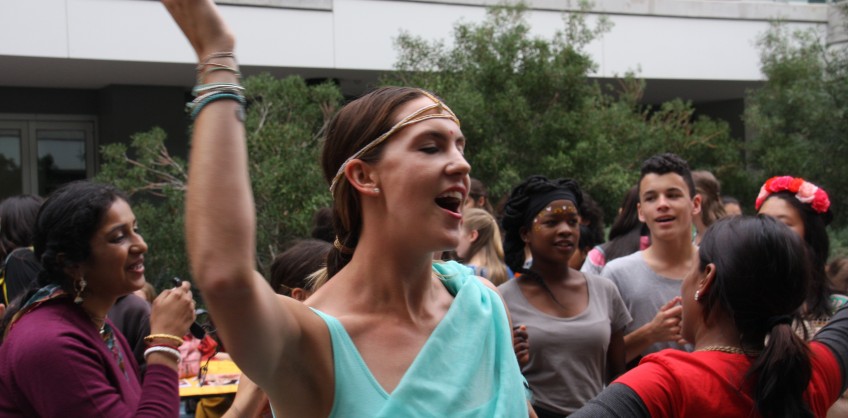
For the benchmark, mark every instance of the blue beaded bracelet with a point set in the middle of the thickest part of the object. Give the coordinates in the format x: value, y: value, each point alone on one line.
x: 197, y: 107
x: 200, y: 88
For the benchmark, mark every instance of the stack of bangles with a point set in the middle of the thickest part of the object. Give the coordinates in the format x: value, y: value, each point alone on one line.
x: 172, y: 349
x: 206, y: 93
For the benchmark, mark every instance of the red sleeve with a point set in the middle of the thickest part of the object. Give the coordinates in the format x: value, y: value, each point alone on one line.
x: 655, y: 385
x: 826, y: 381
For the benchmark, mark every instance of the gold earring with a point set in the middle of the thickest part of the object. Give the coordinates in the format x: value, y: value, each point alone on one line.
x: 79, y: 287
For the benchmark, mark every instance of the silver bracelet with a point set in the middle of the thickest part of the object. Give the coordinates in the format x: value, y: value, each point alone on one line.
x: 161, y: 349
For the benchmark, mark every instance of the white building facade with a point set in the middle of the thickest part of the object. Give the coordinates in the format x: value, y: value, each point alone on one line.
x: 77, y: 74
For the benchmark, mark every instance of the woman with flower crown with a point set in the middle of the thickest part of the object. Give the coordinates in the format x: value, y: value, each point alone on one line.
x: 805, y: 208
x: 391, y: 334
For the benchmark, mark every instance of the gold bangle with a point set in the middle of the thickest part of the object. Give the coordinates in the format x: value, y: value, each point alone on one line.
x: 173, y: 338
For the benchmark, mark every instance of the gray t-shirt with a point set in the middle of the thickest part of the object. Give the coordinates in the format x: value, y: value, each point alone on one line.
x: 568, y: 355
x: 644, y: 292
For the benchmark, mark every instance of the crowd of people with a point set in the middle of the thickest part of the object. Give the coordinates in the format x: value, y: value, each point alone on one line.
x: 415, y: 297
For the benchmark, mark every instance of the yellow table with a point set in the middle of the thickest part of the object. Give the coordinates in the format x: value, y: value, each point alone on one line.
x: 221, y: 379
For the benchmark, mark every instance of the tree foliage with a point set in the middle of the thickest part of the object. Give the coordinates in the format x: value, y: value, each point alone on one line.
x: 528, y: 106
x: 283, y: 119
x: 800, y: 115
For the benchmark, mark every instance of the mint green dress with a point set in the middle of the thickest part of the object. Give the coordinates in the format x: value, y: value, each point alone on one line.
x: 467, y: 368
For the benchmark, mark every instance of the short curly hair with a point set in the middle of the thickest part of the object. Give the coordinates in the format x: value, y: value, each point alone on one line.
x: 668, y: 163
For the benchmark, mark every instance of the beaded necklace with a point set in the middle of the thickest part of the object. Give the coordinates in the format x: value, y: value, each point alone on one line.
x: 727, y: 349
x: 108, y: 336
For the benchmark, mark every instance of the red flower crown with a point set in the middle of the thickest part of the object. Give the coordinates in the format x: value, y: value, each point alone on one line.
x: 805, y: 192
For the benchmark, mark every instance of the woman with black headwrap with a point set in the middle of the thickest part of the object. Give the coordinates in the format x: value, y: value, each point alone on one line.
x: 575, y: 321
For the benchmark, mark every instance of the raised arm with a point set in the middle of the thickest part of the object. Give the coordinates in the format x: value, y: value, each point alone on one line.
x: 257, y: 328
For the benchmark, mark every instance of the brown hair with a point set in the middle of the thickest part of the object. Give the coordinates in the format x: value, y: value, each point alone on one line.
x: 292, y: 268
x: 837, y: 273
x: 710, y: 190
x: 478, y: 190
x: 352, y: 128
x: 488, y: 243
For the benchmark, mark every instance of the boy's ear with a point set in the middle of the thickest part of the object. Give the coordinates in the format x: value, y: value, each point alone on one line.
x: 696, y: 204
x: 362, y: 177
x: 639, y: 211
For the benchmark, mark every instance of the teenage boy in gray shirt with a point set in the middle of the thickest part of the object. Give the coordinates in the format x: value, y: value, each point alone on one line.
x: 649, y: 281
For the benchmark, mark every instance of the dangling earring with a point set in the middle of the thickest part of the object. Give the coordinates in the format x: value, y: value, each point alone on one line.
x: 697, y: 294
x: 79, y: 287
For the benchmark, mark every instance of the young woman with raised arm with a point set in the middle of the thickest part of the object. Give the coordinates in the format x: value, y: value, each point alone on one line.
x: 391, y: 333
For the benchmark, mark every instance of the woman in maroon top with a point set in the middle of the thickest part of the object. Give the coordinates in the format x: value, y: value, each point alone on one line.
x: 60, y: 355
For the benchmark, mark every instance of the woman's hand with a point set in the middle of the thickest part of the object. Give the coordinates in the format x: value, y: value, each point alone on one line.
x: 202, y: 24
x: 173, y: 311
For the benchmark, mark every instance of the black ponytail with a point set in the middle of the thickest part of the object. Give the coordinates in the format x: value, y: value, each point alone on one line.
x: 761, y: 281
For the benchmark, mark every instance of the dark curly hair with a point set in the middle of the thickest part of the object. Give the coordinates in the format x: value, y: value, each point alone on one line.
x: 668, y: 163
x: 516, y: 216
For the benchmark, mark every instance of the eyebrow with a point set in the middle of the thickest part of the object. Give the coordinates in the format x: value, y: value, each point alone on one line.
x: 666, y: 190
x: 120, y: 226
x: 440, y: 135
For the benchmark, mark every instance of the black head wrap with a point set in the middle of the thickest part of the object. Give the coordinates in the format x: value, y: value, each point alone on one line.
x: 541, y: 201
x: 526, y: 201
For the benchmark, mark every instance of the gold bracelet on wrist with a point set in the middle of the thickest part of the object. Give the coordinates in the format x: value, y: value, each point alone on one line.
x: 174, y: 338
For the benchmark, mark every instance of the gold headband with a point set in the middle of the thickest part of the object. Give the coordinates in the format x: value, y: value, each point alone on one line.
x: 414, y: 117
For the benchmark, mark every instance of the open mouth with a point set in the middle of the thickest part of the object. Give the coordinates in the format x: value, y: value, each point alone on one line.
x: 665, y: 219
x: 564, y: 244
x: 450, y: 201
x: 137, y: 267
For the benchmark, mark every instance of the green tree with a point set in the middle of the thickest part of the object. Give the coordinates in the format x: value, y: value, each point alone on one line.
x: 283, y: 119
x: 800, y: 115
x: 528, y: 106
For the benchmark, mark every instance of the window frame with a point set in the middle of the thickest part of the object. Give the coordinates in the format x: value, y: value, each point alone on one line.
x: 29, y: 124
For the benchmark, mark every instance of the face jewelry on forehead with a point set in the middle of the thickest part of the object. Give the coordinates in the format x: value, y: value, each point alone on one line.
x: 553, y: 210
x: 444, y: 112
x: 556, y: 210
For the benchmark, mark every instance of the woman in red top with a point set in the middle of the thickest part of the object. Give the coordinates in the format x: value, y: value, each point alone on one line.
x: 738, y: 308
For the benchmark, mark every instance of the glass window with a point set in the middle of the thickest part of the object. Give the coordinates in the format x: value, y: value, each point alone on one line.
x: 61, y: 158
x: 39, y: 153
x: 10, y: 163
